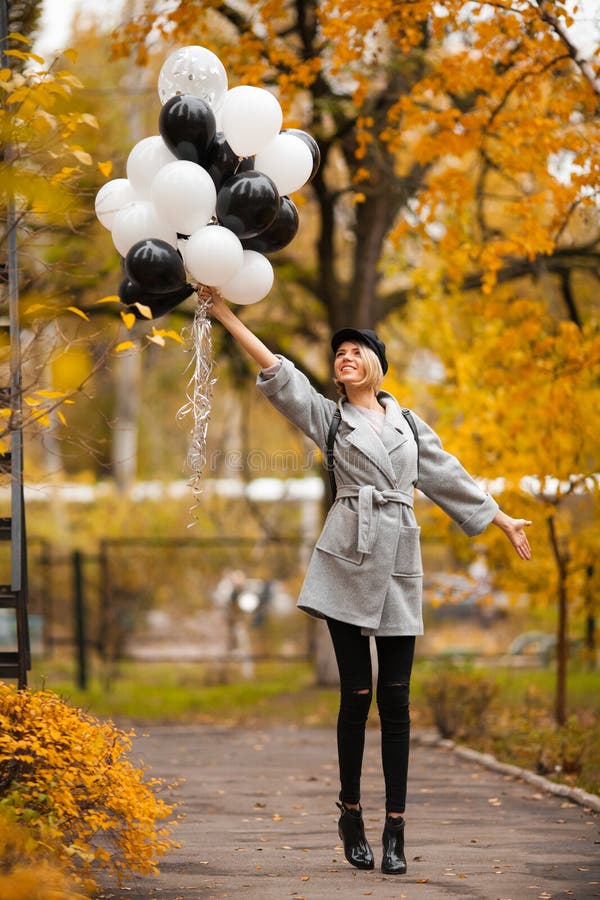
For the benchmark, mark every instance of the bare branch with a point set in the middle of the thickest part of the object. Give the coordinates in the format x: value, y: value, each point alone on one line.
x: 584, y: 65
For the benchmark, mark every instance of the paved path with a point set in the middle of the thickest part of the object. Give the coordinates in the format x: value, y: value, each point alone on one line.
x: 260, y: 822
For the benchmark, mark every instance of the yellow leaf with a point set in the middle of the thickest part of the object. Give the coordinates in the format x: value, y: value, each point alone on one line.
x: 156, y: 339
x: 17, y: 36
x: 106, y: 168
x: 71, y: 54
x: 51, y: 395
x: 64, y: 173
x: 112, y: 298
x: 5, y: 413
x: 128, y: 319
x: 35, y: 307
x: 20, y: 55
x: 83, y: 157
x: 78, y: 312
x: 145, y: 310
x: 89, y: 119
x: 61, y: 417
x: 174, y: 335
x: 44, y: 420
x: 5, y: 74
x: 124, y: 345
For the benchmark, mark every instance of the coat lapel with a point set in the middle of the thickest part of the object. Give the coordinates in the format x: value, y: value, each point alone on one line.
x: 364, y: 438
x: 397, y: 428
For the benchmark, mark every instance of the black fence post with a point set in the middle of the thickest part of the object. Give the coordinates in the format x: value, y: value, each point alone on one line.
x: 79, y: 613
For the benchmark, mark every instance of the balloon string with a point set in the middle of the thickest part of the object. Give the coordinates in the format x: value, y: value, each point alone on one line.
x: 199, y: 392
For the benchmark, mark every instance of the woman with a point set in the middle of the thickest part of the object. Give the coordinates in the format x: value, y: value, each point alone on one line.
x: 365, y: 576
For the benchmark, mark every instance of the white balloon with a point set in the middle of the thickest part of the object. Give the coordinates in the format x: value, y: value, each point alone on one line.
x: 193, y: 70
x: 184, y: 195
x: 112, y: 197
x: 146, y: 159
x: 287, y: 160
x: 252, y: 282
x: 251, y: 118
x: 213, y: 255
x: 138, y: 221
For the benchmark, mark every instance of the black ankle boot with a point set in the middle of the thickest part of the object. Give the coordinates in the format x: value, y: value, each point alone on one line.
x: 351, y: 830
x: 394, y: 860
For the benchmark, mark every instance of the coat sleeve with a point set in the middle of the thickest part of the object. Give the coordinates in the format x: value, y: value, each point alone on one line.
x: 292, y: 394
x: 443, y: 479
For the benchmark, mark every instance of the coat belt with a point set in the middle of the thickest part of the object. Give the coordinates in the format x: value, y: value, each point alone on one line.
x: 368, y: 499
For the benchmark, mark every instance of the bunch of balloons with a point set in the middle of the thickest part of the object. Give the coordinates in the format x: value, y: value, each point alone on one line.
x: 208, y: 196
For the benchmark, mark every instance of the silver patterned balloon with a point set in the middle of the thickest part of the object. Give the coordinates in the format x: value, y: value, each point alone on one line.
x: 193, y: 70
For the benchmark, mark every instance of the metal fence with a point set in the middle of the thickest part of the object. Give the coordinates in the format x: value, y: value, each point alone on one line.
x: 161, y: 599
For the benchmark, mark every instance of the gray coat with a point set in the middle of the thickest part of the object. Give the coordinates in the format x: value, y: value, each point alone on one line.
x: 366, y: 566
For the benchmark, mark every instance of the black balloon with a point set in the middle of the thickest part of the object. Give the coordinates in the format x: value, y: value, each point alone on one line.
x: 247, y: 204
x: 187, y: 125
x: 312, y: 146
x: 222, y: 163
x: 155, y: 266
x: 130, y: 292
x: 279, y: 234
x: 160, y: 304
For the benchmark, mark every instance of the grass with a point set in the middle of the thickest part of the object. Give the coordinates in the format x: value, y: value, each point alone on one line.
x: 518, y: 727
x: 183, y: 692
x: 518, y: 724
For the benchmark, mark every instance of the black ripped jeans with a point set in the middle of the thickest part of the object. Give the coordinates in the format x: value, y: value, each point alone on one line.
x: 395, y: 659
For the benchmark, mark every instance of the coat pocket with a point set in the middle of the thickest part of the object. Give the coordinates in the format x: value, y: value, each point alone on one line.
x: 408, y: 552
x: 340, y: 534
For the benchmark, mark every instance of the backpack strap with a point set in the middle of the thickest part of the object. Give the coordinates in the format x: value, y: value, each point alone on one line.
x: 413, y: 427
x: 335, y: 424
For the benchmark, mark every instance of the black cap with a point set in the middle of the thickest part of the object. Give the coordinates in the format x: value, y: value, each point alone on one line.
x: 362, y: 336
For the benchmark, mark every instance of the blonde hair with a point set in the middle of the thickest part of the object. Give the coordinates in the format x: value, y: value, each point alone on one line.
x: 373, y: 371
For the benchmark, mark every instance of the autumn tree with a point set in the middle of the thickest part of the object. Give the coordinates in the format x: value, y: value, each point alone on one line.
x: 422, y: 111
x: 64, y: 256
x: 520, y: 399
x: 42, y: 159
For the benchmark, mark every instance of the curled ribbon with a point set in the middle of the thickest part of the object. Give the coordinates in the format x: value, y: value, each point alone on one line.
x: 199, y: 390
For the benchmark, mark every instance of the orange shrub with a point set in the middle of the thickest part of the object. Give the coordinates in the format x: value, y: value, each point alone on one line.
x: 66, y: 776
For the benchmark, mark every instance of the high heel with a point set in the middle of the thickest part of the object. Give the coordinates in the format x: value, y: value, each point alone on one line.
x: 351, y: 830
x: 394, y: 860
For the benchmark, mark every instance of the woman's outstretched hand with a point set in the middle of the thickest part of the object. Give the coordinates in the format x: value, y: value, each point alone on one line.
x: 514, y: 529
x: 217, y: 307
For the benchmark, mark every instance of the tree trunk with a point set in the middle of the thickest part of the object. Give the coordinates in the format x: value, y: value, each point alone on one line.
x: 125, y: 431
x: 562, y: 649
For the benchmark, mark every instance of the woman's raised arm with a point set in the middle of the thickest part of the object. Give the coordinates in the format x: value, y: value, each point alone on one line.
x: 240, y: 333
